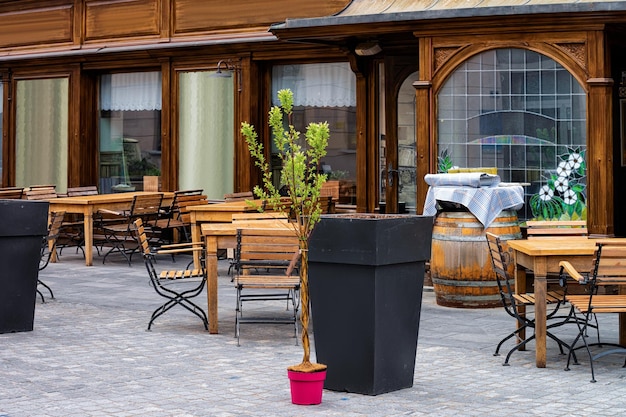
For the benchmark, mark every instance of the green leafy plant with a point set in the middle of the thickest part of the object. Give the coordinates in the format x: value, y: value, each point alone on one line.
x: 444, y: 162
x: 300, y: 175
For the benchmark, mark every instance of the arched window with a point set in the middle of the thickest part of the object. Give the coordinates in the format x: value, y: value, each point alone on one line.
x: 525, y: 114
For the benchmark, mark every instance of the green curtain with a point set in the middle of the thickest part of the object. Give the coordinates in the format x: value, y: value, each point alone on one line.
x: 41, y: 133
x: 206, y: 133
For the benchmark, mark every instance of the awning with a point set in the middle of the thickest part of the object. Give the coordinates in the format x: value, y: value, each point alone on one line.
x: 363, y: 14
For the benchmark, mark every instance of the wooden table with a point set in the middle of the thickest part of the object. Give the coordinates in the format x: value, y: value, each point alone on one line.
x: 87, y: 205
x: 542, y: 256
x: 217, y: 213
x: 224, y: 236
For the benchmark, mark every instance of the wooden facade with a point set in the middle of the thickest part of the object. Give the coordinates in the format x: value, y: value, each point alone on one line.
x: 82, y: 39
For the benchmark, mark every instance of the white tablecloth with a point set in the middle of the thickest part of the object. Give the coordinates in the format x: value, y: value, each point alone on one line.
x: 485, y: 203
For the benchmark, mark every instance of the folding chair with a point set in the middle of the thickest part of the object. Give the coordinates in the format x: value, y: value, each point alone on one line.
x: 48, y: 246
x: 176, y: 217
x: 515, y: 304
x: 609, y: 269
x: 120, y: 236
x: 263, y: 250
x: 177, y: 286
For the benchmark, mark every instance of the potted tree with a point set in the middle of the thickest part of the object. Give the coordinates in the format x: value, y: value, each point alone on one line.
x: 301, y: 181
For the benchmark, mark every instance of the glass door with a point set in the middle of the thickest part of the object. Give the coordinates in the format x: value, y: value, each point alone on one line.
x: 397, y: 150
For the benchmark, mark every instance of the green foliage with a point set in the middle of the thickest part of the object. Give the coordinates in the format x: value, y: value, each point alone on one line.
x: 444, y: 162
x: 301, y: 159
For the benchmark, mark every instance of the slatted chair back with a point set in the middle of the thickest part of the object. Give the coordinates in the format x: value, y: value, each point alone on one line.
x: 186, y: 201
x: 244, y: 195
x: 263, y: 250
x: 186, y: 283
x: 265, y: 215
x: 327, y: 206
x: 556, y: 228
x: 609, y: 269
x: 146, y: 206
x: 81, y: 191
x: 515, y: 303
x: 40, y: 192
x: 11, y: 193
x: 177, y: 216
x: 48, y: 248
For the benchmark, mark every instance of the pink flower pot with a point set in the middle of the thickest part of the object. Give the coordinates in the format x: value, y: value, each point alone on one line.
x: 306, y: 387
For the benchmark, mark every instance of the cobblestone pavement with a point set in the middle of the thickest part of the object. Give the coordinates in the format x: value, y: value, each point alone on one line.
x: 90, y: 355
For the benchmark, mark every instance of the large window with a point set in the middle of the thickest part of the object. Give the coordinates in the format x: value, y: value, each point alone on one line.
x: 325, y: 92
x: 41, y: 133
x: 206, y: 132
x: 130, y: 130
x: 523, y: 113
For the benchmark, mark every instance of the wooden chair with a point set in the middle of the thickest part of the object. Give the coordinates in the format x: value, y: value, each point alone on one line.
x: 11, y: 193
x: 120, y: 236
x: 609, y: 268
x: 176, y: 217
x: 516, y: 305
x: 244, y: 195
x: 48, y: 247
x: 79, y: 191
x: 267, y: 250
x: 266, y: 219
x: 40, y: 192
x: 550, y: 228
x: 72, y: 232
x: 177, y: 286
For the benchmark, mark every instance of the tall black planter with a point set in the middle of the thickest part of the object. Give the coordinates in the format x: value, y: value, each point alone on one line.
x: 23, y: 224
x: 366, y: 275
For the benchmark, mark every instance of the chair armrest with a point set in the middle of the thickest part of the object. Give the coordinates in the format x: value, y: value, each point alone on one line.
x: 107, y: 211
x: 181, y: 250
x: 569, y: 269
x: 183, y: 245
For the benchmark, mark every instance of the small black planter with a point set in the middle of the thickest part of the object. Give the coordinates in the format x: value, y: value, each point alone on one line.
x: 366, y: 273
x: 23, y: 224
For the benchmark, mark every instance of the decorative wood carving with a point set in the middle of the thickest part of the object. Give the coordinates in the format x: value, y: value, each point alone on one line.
x: 578, y: 51
x: 443, y: 54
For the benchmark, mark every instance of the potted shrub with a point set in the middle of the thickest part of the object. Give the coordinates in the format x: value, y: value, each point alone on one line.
x: 301, y: 181
x: 366, y: 276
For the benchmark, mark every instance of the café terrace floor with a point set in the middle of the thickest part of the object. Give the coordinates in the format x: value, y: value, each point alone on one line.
x: 90, y: 355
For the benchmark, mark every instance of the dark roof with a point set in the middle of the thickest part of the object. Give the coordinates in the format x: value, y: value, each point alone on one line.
x: 361, y: 12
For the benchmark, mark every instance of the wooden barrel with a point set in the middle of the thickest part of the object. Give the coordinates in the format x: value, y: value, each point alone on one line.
x: 460, y: 264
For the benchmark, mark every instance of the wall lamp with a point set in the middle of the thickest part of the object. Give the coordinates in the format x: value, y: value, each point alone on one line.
x: 225, y: 69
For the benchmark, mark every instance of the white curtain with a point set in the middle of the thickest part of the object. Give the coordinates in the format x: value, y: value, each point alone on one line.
x: 316, y: 85
x: 41, y: 133
x: 206, y: 133
x: 131, y: 91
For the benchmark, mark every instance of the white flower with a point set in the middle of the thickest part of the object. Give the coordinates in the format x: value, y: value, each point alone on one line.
x: 570, y: 197
x: 546, y: 193
x: 576, y: 160
x: 561, y: 184
x: 564, y: 169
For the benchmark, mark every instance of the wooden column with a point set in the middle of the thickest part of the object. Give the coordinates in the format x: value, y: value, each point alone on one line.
x: 423, y: 112
x: 600, y: 208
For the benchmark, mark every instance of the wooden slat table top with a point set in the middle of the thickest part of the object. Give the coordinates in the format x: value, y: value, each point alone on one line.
x: 104, y: 198
x: 566, y: 246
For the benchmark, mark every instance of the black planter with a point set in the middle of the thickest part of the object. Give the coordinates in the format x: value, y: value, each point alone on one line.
x: 23, y: 224
x: 366, y: 273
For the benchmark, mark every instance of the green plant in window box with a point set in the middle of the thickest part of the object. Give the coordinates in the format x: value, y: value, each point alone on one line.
x: 300, y: 176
